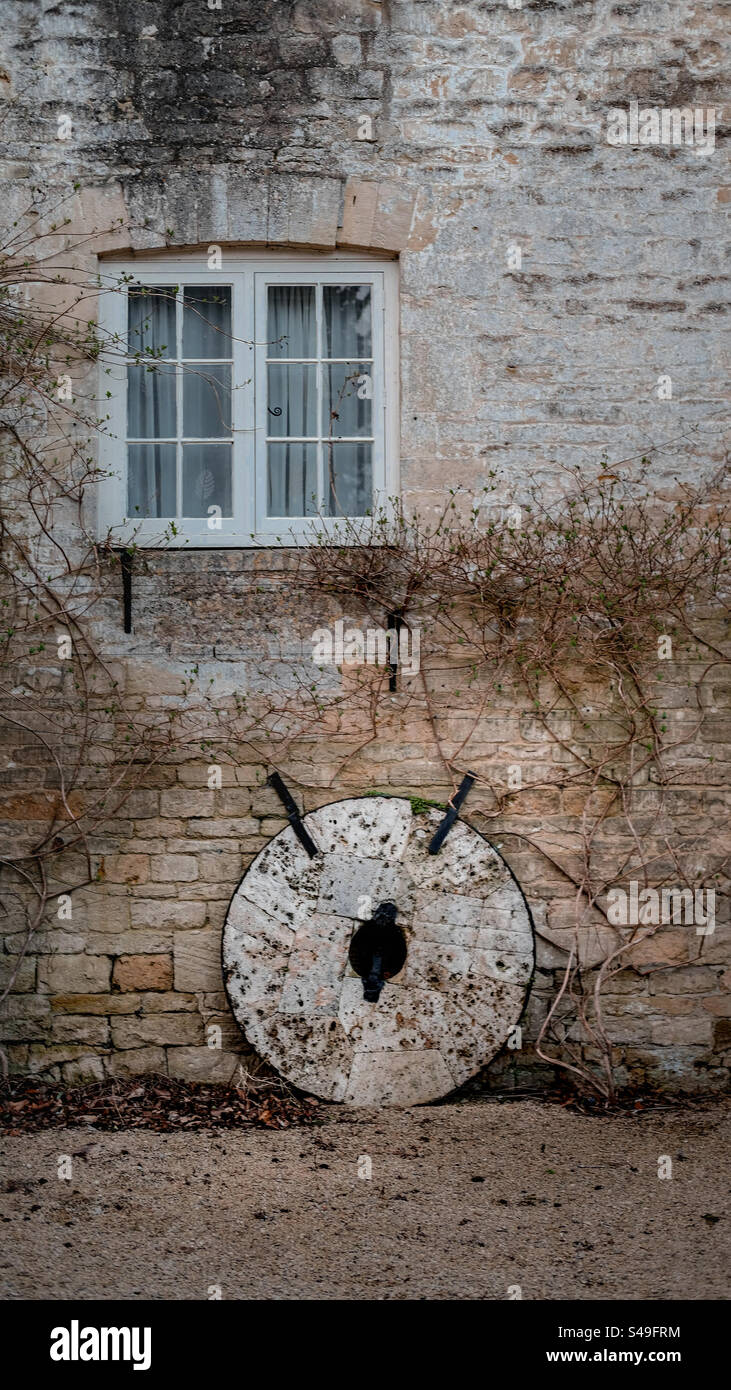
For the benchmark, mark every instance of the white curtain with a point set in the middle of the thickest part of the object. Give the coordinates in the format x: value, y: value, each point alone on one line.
x: 346, y: 317
x: 292, y: 400
x: 151, y: 486
x: 294, y: 410
x: 152, y: 412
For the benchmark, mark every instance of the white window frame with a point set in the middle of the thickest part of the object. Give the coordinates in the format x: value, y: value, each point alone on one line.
x: 249, y: 276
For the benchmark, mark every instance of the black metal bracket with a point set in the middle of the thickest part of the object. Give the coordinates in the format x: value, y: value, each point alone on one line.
x: 383, y: 917
x: 125, y: 557
x: 285, y: 796
x: 374, y: 981
x: 445, y: 825
x: 378, y: 951
x: 393, y: 624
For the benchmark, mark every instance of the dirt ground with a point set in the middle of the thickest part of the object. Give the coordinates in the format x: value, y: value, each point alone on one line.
x: 465, y: 1201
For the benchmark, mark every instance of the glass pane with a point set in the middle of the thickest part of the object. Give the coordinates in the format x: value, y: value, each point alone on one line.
x: 292, y: 324
x: 347, y: 399
x: 347, y: 320
x: 207, y: 321
x: 151, y: 402
x: 206, y: 479
x: 292, y: 400
x: 151, y: 480
x: 206, y: 402
x: 292, y: 489
x: 348, y: 479
x: 151, y: 320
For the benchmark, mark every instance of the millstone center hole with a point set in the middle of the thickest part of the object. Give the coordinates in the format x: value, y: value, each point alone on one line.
x: 380, y: 938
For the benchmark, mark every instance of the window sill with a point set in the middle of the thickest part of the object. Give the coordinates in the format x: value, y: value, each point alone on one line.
x: 351, y: 531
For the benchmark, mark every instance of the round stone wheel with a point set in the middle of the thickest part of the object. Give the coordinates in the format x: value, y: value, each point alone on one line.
x: 448, y: 1011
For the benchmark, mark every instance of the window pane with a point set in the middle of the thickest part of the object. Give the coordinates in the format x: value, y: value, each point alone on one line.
x: 151, y: 480
x: 151, y: 402
x: 292, y: 324
x: 348, y: 479
x: 292, y: 487
x: 151, y: 320
x: 347, y: 399
x: 206, y: 479
x: 347, y: 320
x: 292, y: 400
x: 206, y: 402
x: 207, y: 321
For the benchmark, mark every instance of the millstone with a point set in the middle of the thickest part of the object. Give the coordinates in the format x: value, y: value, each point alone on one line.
x: 451, y: 1006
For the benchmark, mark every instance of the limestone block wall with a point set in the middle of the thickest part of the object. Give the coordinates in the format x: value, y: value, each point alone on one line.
x: 547, y: 280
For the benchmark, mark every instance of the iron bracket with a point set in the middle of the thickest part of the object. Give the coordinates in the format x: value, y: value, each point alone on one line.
x: 393, y: 624
x: 125, y: 557
x: 285, y: 796
x: 454, y: 803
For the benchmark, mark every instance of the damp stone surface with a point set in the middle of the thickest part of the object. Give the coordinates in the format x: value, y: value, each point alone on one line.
x: 449, y: 1010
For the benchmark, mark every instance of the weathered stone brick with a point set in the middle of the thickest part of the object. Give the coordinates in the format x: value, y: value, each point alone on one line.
x: 665, y: 947
x: 130, y: 943
x: 174, y: 868
x: 220, y: 868
x: 148, y: 832
x: 53, y: 942
x: 718, y: 1004
x: 83, y: 1070
x: 681, y: 1031
x: 96, y: 1003
x: 221, y: 1028
x: 692, y: 979
x: 24, y: 1018
x: 140, y: 973
x: 142, y: 805
x: 167, y: 1002
x: 203, y: 1064
x: 235, y: 801
x: 23, y: 971
x: 182, y: 801
x: 217, y: 828
x: 198, y: 960
x: 137, y: 1061
x: 172, y: 915
x: 43, y: 1059
x: 74, y: 974
x: 157, y: 1029
x: 80, y: 1028
x: 125, y: 868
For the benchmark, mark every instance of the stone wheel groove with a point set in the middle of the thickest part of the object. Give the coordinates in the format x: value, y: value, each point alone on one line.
x: 463, y: 986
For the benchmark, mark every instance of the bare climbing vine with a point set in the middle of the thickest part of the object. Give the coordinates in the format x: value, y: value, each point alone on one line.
x: 600, y: 617
x: 570, y: 654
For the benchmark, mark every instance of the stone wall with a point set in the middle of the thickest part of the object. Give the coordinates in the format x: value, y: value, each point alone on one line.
x: 242, y: 125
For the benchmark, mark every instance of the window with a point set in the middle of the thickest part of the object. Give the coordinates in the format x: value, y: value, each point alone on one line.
x: 245, y: 402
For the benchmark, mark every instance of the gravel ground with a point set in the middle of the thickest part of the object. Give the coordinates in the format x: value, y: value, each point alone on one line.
x: 465, y: 1200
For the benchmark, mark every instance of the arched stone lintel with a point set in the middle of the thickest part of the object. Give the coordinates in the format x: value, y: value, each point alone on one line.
x: 376, y: 216
x: 224, y: 206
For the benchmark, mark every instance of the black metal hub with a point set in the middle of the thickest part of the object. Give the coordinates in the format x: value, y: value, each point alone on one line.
x: 378, y: 951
